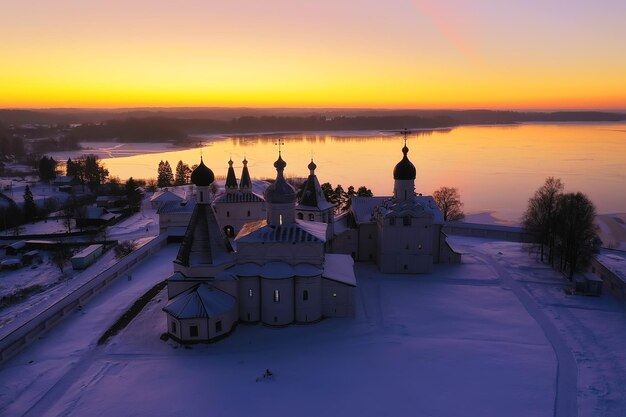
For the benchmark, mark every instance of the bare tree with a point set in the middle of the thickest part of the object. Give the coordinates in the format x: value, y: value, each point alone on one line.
x: 449, y: 201
x: 540, y: 216
x: 576, y: 234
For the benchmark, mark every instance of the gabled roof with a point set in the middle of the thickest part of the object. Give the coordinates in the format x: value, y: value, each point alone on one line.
x: 300, y: 231
x: 340, y: 268
x: 204, y: 242
x: 165, y: 195
x: 363, y: 208
x: 172, y: 207
x: 202, y: 301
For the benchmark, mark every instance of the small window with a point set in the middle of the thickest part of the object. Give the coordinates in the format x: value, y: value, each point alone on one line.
x: 275, y: 319
x: 419, y: 246
x: 248, y: 213
x: 324, y: 218
x: 250, y: 293
x: 193, y: 331
x: 276, y: 296
x: 334, y: 295
x: 280, y: 219
x: 173, y: 327
x: 218, y: 326
x: 311, y: 216
x: 406, y: 220
x: 407, y: 246
x: 406, y: 267
x: 369, y: 236
x: 305, y: 295
x: 201, y: 196
x: 392, y: 221
x: 228, y: 214
x: 300, y: 216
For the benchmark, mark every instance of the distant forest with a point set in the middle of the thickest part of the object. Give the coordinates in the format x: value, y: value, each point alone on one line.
x: 155, y: 125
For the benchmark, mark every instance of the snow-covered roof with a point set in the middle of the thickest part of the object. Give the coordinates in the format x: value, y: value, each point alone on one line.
x: 202, y: 301
x: 87, y: 251
x: 238, y: 197
x: 418, y: 206
x: 177, y: 207
x: 95, y: 213
x: 340, y: 268
x: 165, y: 195
x: 300, y: 231
x: 275, y: 270
x: 363, y: 208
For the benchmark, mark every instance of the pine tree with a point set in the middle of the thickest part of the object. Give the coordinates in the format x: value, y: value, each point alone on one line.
x: 133, y: 194
x: 165, y: 178
x: 183, y: 173
x: 30, y: 208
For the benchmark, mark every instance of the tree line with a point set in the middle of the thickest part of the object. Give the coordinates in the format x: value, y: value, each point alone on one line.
x: 562, y: 224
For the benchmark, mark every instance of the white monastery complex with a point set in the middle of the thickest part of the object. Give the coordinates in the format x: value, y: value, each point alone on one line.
x: 280, y: 259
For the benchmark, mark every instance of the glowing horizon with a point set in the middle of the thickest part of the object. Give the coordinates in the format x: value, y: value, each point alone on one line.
x: 413, y: 54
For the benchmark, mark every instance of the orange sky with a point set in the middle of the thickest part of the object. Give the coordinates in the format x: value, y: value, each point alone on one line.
x: 274, y: 53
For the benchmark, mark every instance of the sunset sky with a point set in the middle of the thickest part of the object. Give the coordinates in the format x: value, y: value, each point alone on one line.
x: 531, y: 54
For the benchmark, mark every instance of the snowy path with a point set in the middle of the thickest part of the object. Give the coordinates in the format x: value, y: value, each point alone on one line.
x: 565, y: 404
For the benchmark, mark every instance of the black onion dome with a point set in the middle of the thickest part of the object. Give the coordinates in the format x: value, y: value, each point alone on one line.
x: 312, y: 166
x: 280, y: 192
x: 404, y: 170
x: 202, y: 176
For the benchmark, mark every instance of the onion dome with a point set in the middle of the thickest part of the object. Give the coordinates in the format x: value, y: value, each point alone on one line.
x: 404, y: 170
x: 231, y: 181
x: 245, y: 182
x: 280, y: 192
x: 312, y: 167
x: 202, y: 176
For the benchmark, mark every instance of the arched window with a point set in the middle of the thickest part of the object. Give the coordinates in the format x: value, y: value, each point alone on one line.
x: 276, y: 296
x: 305, y: 295
x: 248, y: 213
x: 300, y: 216
x: 228, y: 214
x: 406, y: 220
x: 311, y: 216
x: 392, y: 221
x: 250, y: 293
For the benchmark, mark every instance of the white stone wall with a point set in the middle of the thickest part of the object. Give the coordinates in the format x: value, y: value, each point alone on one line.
x: 310, y: 309
x: 281, y: 312
x: 249, y: 299
x: 238, y: 214
x: 337, y: 299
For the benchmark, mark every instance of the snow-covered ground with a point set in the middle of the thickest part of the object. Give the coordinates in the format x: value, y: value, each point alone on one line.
x: 50, y: 283
x: 486, y: 338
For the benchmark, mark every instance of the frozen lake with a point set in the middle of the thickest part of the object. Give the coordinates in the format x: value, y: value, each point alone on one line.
x: 496, y: 168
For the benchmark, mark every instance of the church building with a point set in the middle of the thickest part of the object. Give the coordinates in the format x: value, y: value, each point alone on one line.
x: 276, y: 271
